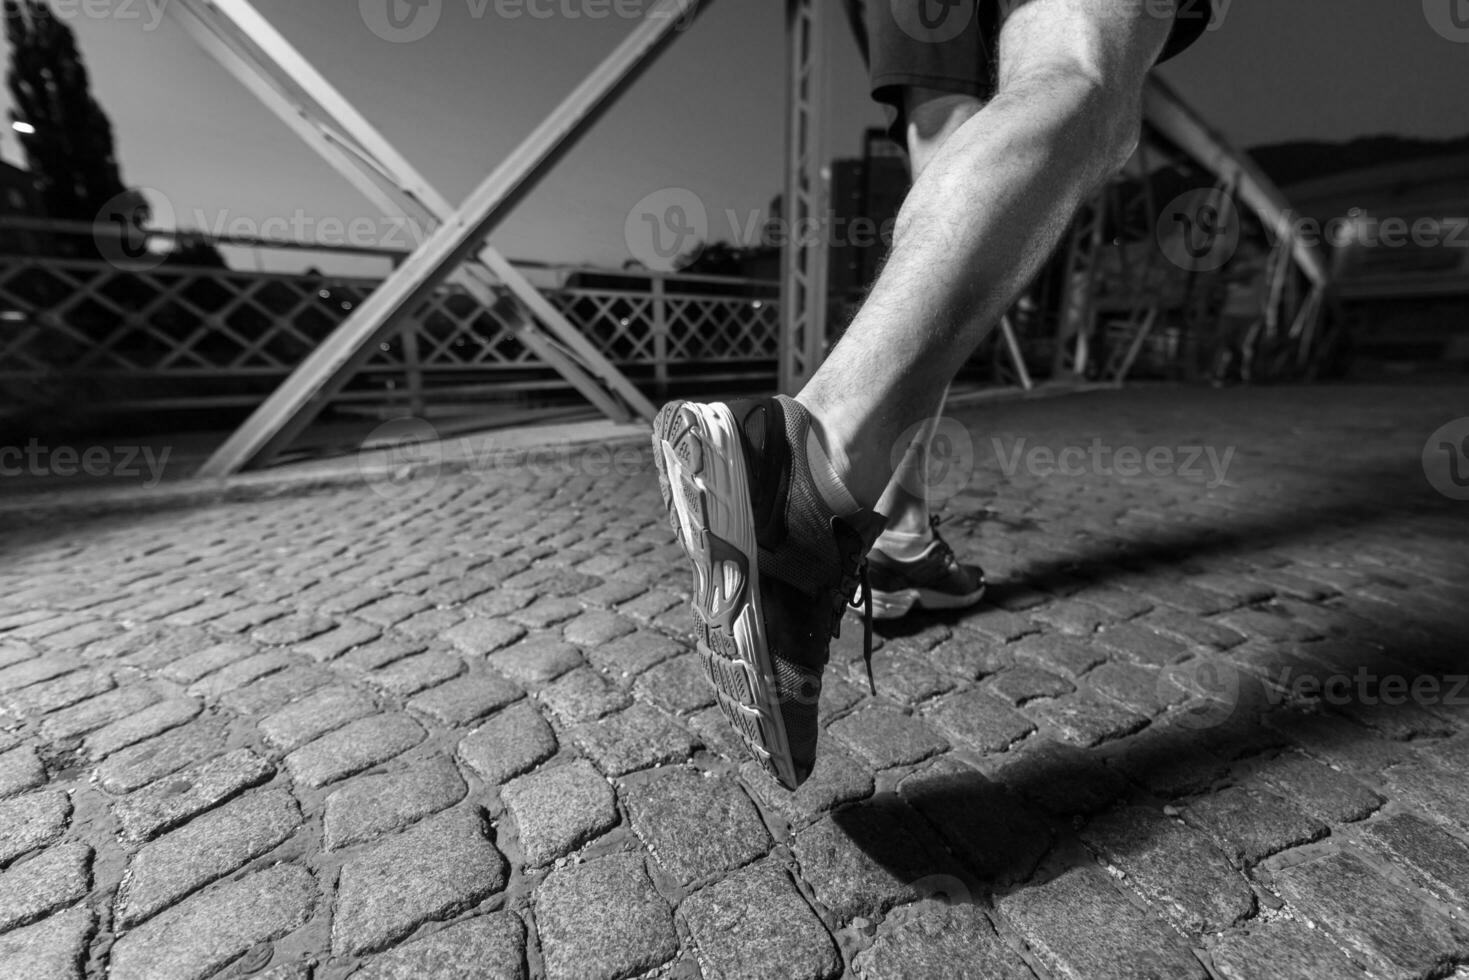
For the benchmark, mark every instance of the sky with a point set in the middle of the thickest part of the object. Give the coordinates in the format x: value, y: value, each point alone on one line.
x: 709, y: 115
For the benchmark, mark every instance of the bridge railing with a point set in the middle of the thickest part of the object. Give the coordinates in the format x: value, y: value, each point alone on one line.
x: 149, y: 330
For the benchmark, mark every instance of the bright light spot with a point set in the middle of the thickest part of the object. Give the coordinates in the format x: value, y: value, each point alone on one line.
x: 625, y: 321
x: 757, y: 305
x: 13, y: 316
x: 346, y: 306
x: 23, y: 127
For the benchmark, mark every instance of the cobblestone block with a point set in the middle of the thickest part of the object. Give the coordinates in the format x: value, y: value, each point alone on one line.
x: 33, y: 672
x: 370, y: 806
x: 52, y: 949
x: 1176, y: 868
x: 295, y: 628
x: 1133, y: 686
x: 277, y: 690
x: 636, y: 738
x: 984, y: 825
x: 430, y: 624
x: 1080, y: 928
x: 612, y: 593
x: 1085, y: 718
x: 1325, y: 793
x: 1392, y: 933
x: 970, y: 656
x: 1069, y: 656
x: 1060, y: 778
x: 335, y: 642
x: 143, y: 763
x: 1025, y: 682
x: 93, y: 713
x: 931, y: 939
x: 979, y: 722
x: 603, y: 920
x: 1437, y: 860
x: 546, y: 612
x: 196, y: 666
x: 1168, y: 591
x: 837, y: 779
x: 651, y: 604
x: 1281, y: 950
x: 1168, y: 760
x: 61, y: 692
x: 582, y: 695
x: 1135, y: 642
x: 1073, y: 617
x: 392, y: 609
x: 491, y: 946
x: 1268, y: 623
x: 596, y: 627
x: 908, y: 679
x: 864, y: 860
x: 52, y: 879
x: 480, y: 637
x: 630, y: 655
x: 536, y: 662
x: 357, y: 746
x: 410, y: 675
x: 1192, y: 629
x: 756, y: 924
x: 697, y: 825
x: 1253, y: 824
x: 512, y: 742
x: 203, y: 850
x: 20, y: 770
x: 380, y: 653
x: 241, y: 672
x: 155, y: 720
x: 678, y: 685
x: 169, y: 802
x: 434, y: 870
x: 318, y: 713
x: 467, y: 699
x: 559, y: 809
x: 886, y: 737
x: 216, y: 927
x: 1339, y: 742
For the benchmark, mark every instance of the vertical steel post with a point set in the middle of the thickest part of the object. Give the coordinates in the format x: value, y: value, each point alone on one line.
x: 806, y: 206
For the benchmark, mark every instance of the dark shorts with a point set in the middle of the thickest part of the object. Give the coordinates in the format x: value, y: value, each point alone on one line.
x: 949, y: 45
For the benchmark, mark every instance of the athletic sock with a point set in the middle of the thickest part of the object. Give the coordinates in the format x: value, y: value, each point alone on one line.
x: 824, y: 470
x: 903, y: 546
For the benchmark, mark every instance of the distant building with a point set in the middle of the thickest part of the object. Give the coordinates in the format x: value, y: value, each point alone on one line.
x: 1398, y: 237
x: 866, y: 194
x: 18, y: 199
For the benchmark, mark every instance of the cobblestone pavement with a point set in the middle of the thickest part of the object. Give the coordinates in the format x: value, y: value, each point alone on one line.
x: 453, y: 727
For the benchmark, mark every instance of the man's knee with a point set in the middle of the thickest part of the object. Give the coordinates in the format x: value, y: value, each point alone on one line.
x: 1090, y: 59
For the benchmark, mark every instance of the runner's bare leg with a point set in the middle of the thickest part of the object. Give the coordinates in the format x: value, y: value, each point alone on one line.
x: 982, y: 218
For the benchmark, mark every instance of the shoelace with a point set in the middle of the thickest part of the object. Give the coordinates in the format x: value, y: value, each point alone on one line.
x: 857, y: 581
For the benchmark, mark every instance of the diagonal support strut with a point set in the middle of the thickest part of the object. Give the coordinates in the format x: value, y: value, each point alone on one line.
x: 260, y: 57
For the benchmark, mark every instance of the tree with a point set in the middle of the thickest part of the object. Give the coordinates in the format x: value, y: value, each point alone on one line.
x: 70, y: 150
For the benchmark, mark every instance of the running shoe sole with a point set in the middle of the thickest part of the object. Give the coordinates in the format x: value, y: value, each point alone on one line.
x: 706, y: 490
x: 896, y: 605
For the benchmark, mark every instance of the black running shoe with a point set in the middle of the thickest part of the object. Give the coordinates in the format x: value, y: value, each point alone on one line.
x: 773, y: 565
x: 935, y: 579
